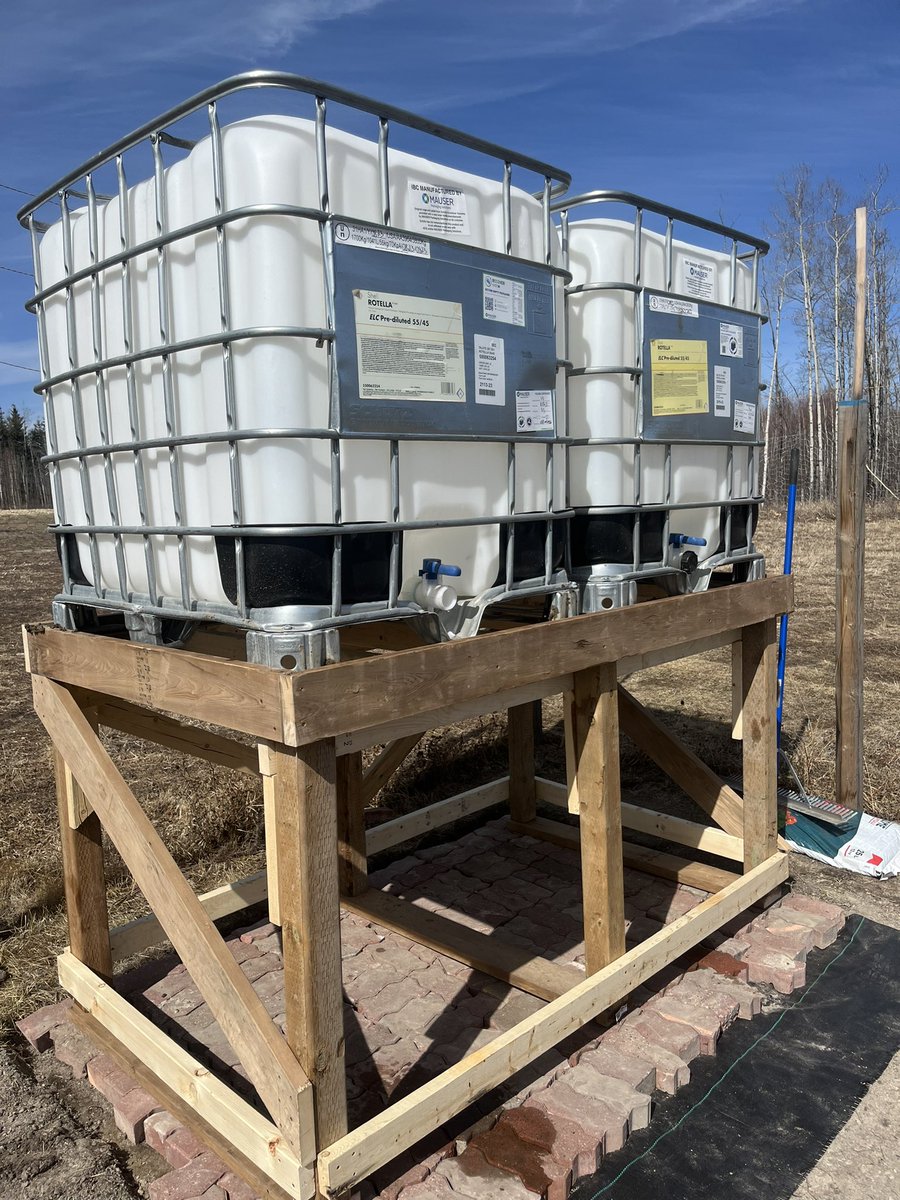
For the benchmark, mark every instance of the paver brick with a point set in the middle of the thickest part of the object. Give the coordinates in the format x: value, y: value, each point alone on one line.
x: 672, y: 1072
x: 433, y: 1187
x: 723, y: 1006
x: 808, y: 904
x: 542, y: 1170
x: 256, y: 933
x: 188, y: 1182
x: 181, y: 1147
x: 624, y: 1100
x: 636, y: 1072
x: 768, y: 965
x: 388, y: 999
x: 823, y: 929
x: 235, y: 1188
x: 722, y: 962
x: 131, y: 1111
x: 109, y: 1079
x: 706, y: 981
x: 473, y: 1177
x: 678, y: 1039
x: 602, y: 1121
x: 795, y: 940
x: 694, y: 1016
x: 419, y: 1017
x: 158, y: 1127
x: 563, y: 1137
x: 37, y: 1027
x: 72, y: 1048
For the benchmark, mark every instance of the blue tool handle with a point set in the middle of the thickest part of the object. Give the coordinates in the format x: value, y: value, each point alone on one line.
x: 793, y: 473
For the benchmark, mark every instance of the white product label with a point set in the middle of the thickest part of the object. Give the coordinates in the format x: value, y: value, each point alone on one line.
x: 437, y: 209
x: 534, y: 411
x: 722, y: 391
x: 409, y: 347
x: 699, y: 279
x: 390, y: 240
x: 490, y: 370
x: 678, y: 308
x: 731, y: 341
x: 744, y: 417
x: 503, y: 300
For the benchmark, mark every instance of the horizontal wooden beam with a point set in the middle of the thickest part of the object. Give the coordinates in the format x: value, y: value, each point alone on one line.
x: 661, y: 825
x: 166, y: 731
x: 154, y: 1058
x: 380, y: 1139
x: 434, y: 816
x: 640, y: 858
x: 237, y: 695
x: 144, y: 932
x: 484, y: 951
x: 345, y: 697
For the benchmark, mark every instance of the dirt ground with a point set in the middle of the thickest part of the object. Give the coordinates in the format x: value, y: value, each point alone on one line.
x: 54, y: 1137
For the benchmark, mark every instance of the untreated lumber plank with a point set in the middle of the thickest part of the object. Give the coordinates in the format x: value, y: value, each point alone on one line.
x: 661, y: 825
x: 272, y: 1069
x: 410, y: 1118
x: 640, y: 858
x: 353, y: 873
x: 520, y: 742
x: 681, y: 764
x: 420, y: 722
x: 334, y: 700
x: 237, y: 695
x: 309, y: 902
x: 595, y: 739
x: 84, y: 879
x: 434, y: 816
x: 486, y: 952
x: 378, y: 773
x: 759, y: 654
x: 144, y: 932
x: 270, y: 830
x: 242, y: 1137
x: 166, y: 731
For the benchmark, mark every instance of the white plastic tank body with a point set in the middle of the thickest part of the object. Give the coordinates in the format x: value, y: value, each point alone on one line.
x: 655, y: 478
x: 277, y: 279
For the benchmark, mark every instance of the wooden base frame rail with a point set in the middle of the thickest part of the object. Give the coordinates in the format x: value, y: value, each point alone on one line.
x: 308, y: 731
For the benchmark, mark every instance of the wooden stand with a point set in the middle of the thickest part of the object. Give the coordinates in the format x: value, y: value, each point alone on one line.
x: 310, y: 728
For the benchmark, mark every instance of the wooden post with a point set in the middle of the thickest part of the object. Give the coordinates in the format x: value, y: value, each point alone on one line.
x: 853, y: 428
x: 311, y: 927
x: 353, y: 875
x: 84, y: 880
x: 595, y: 734
x: 759, y: 659
x: 522, y: 788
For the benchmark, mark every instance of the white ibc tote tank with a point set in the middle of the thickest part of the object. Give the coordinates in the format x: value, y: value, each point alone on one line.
x: 265, y: 351
x: 663, y: 337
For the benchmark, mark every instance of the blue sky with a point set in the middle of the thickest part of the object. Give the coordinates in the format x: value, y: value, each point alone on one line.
x: 702, y: 103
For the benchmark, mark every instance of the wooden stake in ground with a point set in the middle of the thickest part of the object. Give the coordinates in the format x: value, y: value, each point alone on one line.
x: 853, y: 428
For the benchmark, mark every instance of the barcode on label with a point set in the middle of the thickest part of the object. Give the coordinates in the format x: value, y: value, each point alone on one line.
x: 446, y: 389
x: 487, y: 392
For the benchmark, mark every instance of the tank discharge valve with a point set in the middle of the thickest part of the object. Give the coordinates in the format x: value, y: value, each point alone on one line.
x: 430, y: 593
x: 689, y: 558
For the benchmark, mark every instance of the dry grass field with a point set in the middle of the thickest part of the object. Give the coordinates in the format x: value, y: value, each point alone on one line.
x: 212, y: 819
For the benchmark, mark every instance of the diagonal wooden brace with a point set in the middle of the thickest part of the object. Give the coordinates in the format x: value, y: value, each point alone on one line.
x: 273, y: 1070
x: 681, y: 764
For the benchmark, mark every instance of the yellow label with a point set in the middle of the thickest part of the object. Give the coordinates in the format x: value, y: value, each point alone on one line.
x: 679, y: 377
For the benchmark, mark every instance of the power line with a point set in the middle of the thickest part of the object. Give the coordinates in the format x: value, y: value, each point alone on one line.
x: 18, y: 366
x: 21, y: 191
x: 16, y: 271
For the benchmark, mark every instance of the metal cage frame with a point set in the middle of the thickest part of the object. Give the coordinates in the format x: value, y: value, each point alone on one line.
x: 145, y: 613
x: 617, y: 584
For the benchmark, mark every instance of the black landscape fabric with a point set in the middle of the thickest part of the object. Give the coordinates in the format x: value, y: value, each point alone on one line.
x: 757, y: 1116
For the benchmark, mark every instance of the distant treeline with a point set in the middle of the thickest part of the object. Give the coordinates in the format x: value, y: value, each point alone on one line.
x: 809, y: 285
x: 24, y: 482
